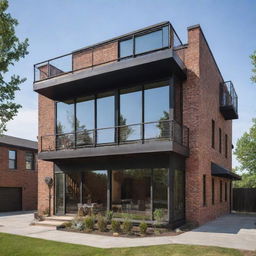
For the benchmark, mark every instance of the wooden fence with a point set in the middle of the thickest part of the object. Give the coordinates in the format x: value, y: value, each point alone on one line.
x: 244, y: 199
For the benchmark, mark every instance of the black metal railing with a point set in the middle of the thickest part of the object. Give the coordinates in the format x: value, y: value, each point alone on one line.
x: 228, y: 96
x: 78, y: 60
x: 118, y: 135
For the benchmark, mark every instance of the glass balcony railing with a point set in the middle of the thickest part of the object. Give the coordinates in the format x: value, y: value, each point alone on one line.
x: 144, y: 41
x: 124, y: 134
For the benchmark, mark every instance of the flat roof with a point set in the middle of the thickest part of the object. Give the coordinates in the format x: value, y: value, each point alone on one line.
x: 18, y: 142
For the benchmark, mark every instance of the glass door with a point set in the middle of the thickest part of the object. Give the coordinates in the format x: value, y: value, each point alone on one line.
x: 59, y: 194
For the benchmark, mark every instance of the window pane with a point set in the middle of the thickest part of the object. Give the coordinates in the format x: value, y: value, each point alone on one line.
x: 148, y: 42
x: 12, y: 154
x: 156, y: 102
x: 126, y: 48
x: 105, y: 119
x: 65, y: 124
x: 165, y: 36
x: 85, y: 121
x: 12, y: 164
x: 65, y: 117
x: 130, y: 114
x: 160, y: 186
x: 131, y: 193
x: 29, y: 161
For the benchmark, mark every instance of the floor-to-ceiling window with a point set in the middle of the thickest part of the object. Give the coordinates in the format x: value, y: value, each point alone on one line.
x: 130, y: 114
x: 65, y: 124
x: 59, y: 193
x: 131, y: 193
x: 156, y: 109
x: 85, y: 122
x: 105, y: 118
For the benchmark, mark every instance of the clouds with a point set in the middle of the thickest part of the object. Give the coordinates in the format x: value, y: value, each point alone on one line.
x: 24, y: 125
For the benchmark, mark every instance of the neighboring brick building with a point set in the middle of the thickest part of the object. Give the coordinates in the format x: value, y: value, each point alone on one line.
x: 137, y: 123
x: 18, y: 174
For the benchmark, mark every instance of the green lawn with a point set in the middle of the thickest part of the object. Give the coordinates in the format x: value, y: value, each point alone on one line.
x: 19, y: 245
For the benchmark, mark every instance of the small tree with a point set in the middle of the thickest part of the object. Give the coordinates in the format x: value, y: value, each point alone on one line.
x: 11, y: 51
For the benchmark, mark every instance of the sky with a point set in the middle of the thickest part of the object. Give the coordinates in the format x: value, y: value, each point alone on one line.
x: 56, y: 27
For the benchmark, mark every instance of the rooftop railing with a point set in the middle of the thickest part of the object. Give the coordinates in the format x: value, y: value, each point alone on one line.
x: 144, y: 41
x: 228, y: 96
x: 118, y: 135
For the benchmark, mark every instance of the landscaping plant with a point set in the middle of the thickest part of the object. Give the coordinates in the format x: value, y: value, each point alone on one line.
x: 115, y: 226
x: 77, y: 224
x: 89, y: 222
x: 109, y: 216
x: 127, y: 226
x: 102, y: 223
x: 143, y: 228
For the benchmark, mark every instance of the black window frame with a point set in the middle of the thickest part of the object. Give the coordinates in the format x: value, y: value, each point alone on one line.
x: 213, y: 134
x: 220, y: 191
x: 226, y: 145
x: 213, y: 191
x: 226, y: 192
x: 204, y: 190
x: 32, y: 162
x: 220, y: 140
x: 10, y: 159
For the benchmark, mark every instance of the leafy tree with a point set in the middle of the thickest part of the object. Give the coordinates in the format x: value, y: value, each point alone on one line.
x: 253, y: 59
x: 246, y: 155
x: 11, y: 51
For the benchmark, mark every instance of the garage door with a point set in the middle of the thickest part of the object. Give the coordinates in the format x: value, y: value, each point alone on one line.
x: 10, y: 199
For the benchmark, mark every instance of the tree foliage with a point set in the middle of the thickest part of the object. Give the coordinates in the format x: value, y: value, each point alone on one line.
x: 253, y: 59
x: 11, y: 51
x: 246, y: 155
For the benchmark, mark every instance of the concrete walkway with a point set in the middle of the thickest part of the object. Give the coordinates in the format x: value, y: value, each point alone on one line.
x: 231, y: 231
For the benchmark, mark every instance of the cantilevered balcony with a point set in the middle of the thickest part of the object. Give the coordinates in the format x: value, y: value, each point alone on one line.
x: 148, y: 137
x: 142, y: 55
x: 228, y: 101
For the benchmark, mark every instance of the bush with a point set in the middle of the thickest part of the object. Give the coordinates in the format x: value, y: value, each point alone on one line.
x: 109, y: 216
x: 158, y: 215
x: 115, y: 226
x: 102, y: 223
x: 89, y: 222
x: 127, y: 226
x: 143, y: 228
x: 77, y: 224
x: 67, y: 224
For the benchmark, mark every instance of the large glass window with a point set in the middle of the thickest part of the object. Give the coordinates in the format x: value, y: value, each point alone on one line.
x: 12, y: 159
x: 105, y: 118
x: 160, y: 187
x: 156, y: 108
x: 131, y: 193
x: 126, y: 48
x: 95, y: 188
x: 59, y: 193
x: 130, y: 114
x: 65, y: 124
x: 85, y: 121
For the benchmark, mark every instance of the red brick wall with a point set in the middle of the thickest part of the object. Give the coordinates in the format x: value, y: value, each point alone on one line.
x: 46, y: 122
x: 200, y: 106
x: 20, y: 177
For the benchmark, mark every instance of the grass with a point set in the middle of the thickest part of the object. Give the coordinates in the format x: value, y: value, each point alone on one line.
x: 14, y: 245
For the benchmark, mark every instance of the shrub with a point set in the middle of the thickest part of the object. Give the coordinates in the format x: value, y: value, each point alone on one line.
x: 67, y: 224
x: 127, y: 226
x: 109, y: 216
x: 143, y: 228
x: 102, y: 223
x: 89, y: 222
x: 77, y: 224
x: 158, y: 215
x: 115, y: 226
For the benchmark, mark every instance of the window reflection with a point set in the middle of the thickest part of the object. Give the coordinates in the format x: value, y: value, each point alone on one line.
x: 105, y: 119
x: 126, y: 48
x: 130, y: 114
x: 156, y: 102
x: 85, y: 121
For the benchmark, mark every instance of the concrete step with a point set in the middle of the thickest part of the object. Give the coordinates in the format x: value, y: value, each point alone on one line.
x: 59, y: 218
x: 48, y: 223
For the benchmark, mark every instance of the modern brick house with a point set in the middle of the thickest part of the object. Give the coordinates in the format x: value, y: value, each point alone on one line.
x: 18, y: 174
x: 137, y: 123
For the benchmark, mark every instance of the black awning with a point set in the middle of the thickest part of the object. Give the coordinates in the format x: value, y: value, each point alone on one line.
x: 222, y: 172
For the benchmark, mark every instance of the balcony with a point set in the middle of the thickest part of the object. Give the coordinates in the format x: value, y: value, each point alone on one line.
x: 149, y: 137
x: 228, y: 101
x: 145, y: 54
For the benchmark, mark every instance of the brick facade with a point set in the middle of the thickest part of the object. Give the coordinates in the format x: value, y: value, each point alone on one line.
x: 200, y: 107
x: 20, y: 177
